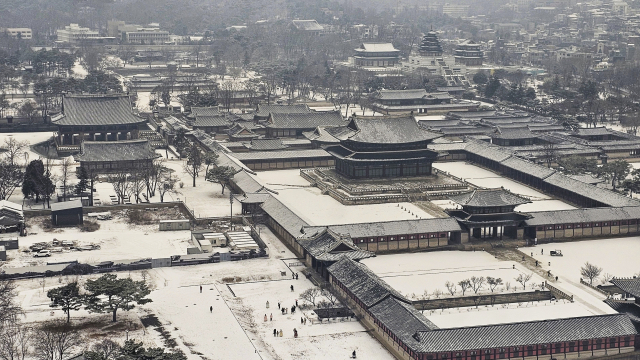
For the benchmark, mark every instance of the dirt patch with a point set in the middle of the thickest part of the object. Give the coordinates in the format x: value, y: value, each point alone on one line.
x: 517, y: 255
x: 89, y: 226
x: 152, y: 321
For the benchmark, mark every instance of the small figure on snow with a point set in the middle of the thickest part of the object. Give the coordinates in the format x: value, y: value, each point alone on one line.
x: 522, y: 257
x: 267, y: 304
x: 275, y: 332
x: 353, y: 354
x: 291, y: 288
x: 295, y: 333
x: 536, y: 263
x: 301, y: 320
x: 278, y: 305
x: 296, y: 302
x: 265, y: 317
x: 200, y: 289
x: 296, y: 276
x: 271, y: 317
x: 281, y: 333
x: 211, y: 309
x: 541, y: 251
x: 556, y: 278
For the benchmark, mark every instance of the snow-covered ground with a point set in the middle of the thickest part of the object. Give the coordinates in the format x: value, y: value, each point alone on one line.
x: 218, y: 323
x: 343, y: 110
x: 413, y: 274
x: 317, y: 209
x: 618, y: 257
x: 488, y: 179
x: 117, y: 239
x: 506, y: 313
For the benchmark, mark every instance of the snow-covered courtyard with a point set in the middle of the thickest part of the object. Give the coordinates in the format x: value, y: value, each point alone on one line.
x: 506, y: 313
x: 317, y: 209
x: 413, y: 274
x: 488, y: 179
x: 617, y: 257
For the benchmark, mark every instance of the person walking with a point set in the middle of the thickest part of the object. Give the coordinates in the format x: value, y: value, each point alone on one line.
x: 271, y: 317
x: 291, y: 288
x: 211, y: 309
x: 278, y: 305
x: 296, y: 302
x: 353, y: 354
x: 200, y: 289
x: 281, y: 333
x: 541, y: 251
x: 275, y: 332
x: 301, y: 320
x: 267, y: 304
x: 265, y: 317
x: 305, y: 321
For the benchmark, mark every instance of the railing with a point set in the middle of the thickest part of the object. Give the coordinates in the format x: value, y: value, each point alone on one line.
x: 594, y: 287
x: 558, y: 293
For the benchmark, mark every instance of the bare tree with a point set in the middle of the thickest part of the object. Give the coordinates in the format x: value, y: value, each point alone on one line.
x: 437, y: 293
x: 121, y: 183
x: 107, y: 349
x: 464, y: 285
x: 311, y: 295
x: 523, y: 279
x: 451, y: 287
x: 606, y: 277
x: 15, y: 342
x: 9, y: 309
x: 167, y: 185
x: 138, y: 184
x: 590, y: 271
x: 193, y: 165
x: 477, y: 283
x: 331, y: 295
x: 65, y: 173
x: 493, y: 282
x: 14, y: 149
x: 55, y: 340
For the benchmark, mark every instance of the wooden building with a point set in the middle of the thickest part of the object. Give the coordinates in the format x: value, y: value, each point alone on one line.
x: 376, y: 55
x: 68, y: 213
x: 378, y: 148
x: 96, y: 118
x: 294, y: 124
x: 489, y: 213
x: 103, y: 157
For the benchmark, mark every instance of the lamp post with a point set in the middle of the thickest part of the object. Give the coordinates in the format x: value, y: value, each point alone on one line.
x: 231, y: 214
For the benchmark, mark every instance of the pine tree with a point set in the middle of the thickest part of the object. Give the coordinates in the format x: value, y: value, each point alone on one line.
x: 110, y: 294
x: 66, y: 297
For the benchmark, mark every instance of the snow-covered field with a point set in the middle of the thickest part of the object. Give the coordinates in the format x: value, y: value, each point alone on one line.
x: 507, y: 313
x: 488, y: 179
x: 413, y: 274
x: 618, y: 257
x: 317, y: 209
x: 234, y: 327
x: 117, y: 239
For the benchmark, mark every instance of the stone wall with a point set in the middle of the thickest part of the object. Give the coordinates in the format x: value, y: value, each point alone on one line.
x: 484, y: 299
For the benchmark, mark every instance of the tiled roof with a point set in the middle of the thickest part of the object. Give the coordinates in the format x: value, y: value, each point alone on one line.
x: 362, y: 282
x: 483, y: 149
x: 320, y: 134
x: 291, y: 154
x: 246, y: 182
x: 584, y: 215
x: 205, y: 111
x: 377, y: 47
x: 592, y: 131
x: 266, y: 144
x: 98, y: 110
x: 329, y: 246
x: 401, y: 319
x: 212, y: 121
x: 630, y: 286
x: 309, y: 120
x: 307, y: 25
x: 513, y: 133
x: 437, y: 124
x: 127, y: 150
x: 66, y: 205
x: 586, y: 178
x: 488, y: 198
x: 389, y: 131
x: 525, y: 333
x: 264, y: 109
x: 402, y: 94
x: 527, y: 167
x: 398, y: 227
x: 291, y: 222
x: 592, y: 192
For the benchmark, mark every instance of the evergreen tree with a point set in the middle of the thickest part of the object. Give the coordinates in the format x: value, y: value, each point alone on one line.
x: 110, y: 294
x: 83, y: 183
x: 66, y: 297
x: 221, y: 175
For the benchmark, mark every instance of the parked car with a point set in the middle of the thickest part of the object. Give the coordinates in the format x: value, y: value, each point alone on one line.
x: 42, y: 253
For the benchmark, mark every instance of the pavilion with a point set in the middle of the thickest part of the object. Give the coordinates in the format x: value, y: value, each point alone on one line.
x: 383, y: 148
x: 489, y: 213
x: 96, y: 118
